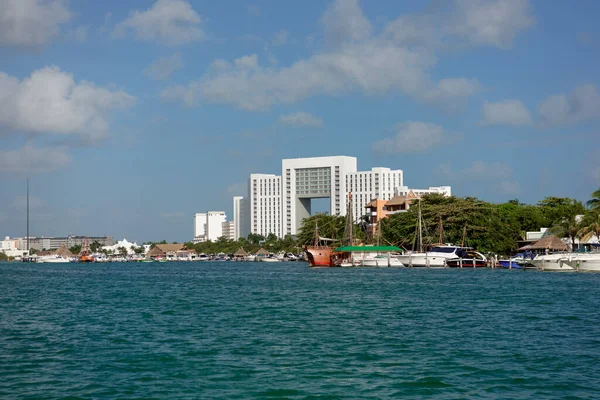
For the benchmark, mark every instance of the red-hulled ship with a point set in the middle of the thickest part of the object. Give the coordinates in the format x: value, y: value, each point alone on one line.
x: 320, y: 255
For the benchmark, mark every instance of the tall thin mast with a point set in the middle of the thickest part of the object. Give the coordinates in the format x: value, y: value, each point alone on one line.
x: 441, y: 231
x: 420, y: 230
x: 27, y: 216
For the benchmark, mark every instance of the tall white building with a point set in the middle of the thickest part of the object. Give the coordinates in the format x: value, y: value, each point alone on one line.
x: 309, y: 178
x: 228, y: 229
x: 214, y: 224
x: 199, y: 227
x: 277, y: 204
x: 208, y: 226
x: 368, y: 185
x: 264, y: 207
x: 240, y: 217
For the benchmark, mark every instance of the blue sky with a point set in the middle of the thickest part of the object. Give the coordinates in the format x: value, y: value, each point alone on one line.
x: 129, y: 116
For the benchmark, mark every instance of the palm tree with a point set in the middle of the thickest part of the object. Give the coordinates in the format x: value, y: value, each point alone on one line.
x: 594, y: 202
x: 590, y: 226
x: 567, y: 227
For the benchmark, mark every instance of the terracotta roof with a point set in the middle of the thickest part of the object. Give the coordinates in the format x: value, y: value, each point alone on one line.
x: 550, y: 242
x: 396, y: 201
x: 372, y: 203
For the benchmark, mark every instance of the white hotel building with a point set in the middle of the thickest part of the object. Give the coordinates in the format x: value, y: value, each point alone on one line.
x: 277, y: 204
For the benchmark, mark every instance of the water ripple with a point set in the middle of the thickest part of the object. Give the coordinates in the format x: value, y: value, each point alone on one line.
x: 248, y: 330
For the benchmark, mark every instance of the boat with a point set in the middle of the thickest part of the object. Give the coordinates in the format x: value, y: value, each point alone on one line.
x: 552, y: 262
x: 320, y: 254
x: 53, y: 259
x: 467, y: 258
x: 367, y: 256
x: 269, y: 259
x: 583, y: 262
x: 518, y: 261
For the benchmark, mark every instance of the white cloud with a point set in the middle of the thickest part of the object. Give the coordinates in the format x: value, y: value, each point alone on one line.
x: 507, y: 112
x: 581, y: 104
x: 172, y: 22
x: 491, y: 22
x: 51, y: 102
x: 356, y: 61
x: 280, y: 38
x: 344, y: 21
x: 164, y: 67
x: 30, y: 159
x: 31, y: 22
x: 300, y: 119
x: 412, y: 137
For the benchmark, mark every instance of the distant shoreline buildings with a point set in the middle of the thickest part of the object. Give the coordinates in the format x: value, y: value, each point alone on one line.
x: 278, y: 203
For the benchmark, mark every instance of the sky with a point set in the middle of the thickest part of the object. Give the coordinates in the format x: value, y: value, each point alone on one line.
x: 130, y: 116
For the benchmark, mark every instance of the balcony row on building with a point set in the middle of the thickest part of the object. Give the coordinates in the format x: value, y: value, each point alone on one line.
x: 278, y: 203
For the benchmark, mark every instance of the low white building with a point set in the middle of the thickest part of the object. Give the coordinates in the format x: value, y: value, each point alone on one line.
x: 10, y: 247
x: 116, y: 248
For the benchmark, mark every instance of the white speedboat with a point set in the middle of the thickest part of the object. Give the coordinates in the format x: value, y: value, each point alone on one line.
x: 381, y: 260
x: 552, y: 262
x: 53, y: 259
x: 584, y: 262
x: 434, y: 258
x: 269, y: 259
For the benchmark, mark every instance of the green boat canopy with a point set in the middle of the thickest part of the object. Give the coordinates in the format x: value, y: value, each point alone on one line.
x: 350, y: 249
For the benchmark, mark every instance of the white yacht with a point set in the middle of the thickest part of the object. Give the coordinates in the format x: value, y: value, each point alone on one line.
x: 376, y: 260
x: 53, y: 259
x: 584, y: 262
x: 434, y: 258
x: 552, y: 262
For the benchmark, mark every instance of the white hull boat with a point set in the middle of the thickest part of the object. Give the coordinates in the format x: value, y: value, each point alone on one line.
x: 583, y: 262
x: 552, y: 263
x: 378, y: 261
x: 269, y: 259
x: 53, y: 259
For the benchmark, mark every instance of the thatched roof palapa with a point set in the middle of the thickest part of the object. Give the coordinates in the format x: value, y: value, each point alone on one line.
x: 64, y: 252
x: 262, y: 252
x: 549, y: 243
x: 240, y: 253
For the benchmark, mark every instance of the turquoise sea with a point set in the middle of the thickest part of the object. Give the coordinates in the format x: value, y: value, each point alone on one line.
x: 255, y: 330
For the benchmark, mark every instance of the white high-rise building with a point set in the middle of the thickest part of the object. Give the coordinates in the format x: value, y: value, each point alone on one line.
x: 277, y: 204
x: 308, y: 178
x: 199, y: 227
x: 228, y: 230
x: 264, y: 207
x: 368, y: 185
x: 208, y: 226
x: 214, y: 224
x: 240, y: 219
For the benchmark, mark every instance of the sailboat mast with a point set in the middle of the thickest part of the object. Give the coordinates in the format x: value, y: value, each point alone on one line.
x: 420, y: 230
x: 28, y: 217
x: 350, y: 220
